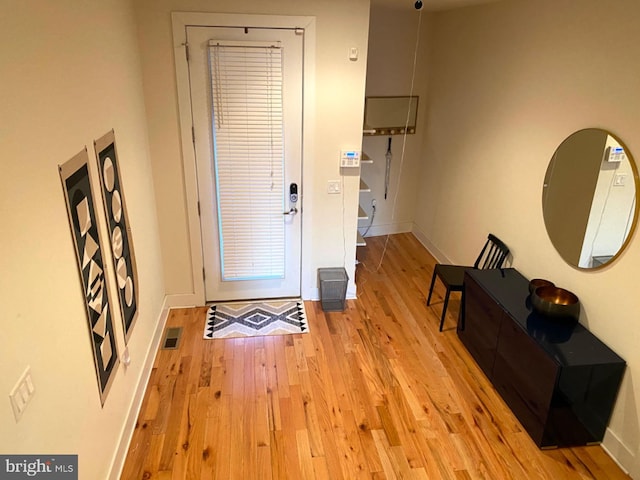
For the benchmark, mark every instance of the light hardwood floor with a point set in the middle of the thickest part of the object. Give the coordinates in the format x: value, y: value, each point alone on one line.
x: 372, y: 392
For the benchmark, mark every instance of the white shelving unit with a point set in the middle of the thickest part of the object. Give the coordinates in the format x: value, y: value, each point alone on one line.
x: 364, y: 188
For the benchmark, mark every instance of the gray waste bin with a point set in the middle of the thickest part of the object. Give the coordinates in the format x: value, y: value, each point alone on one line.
x: 333, y: 288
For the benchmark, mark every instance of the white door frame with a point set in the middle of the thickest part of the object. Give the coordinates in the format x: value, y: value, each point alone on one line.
x: 180, y: 21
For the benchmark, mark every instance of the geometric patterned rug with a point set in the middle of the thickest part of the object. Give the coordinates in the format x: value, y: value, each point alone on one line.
x: 253, y: 319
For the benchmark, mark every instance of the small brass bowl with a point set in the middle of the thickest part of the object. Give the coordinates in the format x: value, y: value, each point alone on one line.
x: 539, y: 282
x: 556, y: 302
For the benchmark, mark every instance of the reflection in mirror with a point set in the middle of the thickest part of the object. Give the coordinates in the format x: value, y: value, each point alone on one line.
x: 390, y: 115
x: 589, y: 198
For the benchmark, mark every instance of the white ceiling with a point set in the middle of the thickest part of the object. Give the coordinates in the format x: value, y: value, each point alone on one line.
x: 431, y: 5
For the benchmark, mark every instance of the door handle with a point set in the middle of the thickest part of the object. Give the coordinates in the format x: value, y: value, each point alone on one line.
x: 293, y: 211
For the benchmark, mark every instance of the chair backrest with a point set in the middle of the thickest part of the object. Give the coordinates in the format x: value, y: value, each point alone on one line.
x: 493, y: 254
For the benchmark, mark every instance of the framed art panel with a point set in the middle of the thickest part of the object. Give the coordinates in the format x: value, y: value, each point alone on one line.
x: 390, y: 115
x: 76, y: 184
x: 124, y: 261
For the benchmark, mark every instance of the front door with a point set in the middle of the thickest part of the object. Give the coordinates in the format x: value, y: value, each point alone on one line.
x: 246, y: 96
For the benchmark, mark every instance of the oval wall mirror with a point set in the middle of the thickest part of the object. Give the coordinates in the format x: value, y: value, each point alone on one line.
x: 589, y: 198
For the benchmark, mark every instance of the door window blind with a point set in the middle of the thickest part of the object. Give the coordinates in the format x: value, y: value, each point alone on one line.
x: 246, y: 86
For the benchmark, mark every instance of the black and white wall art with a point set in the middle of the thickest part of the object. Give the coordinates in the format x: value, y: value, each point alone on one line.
x: 76, y: 184
x: 124, y: 261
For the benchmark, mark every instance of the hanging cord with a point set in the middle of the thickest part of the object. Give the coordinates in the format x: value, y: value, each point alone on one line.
x: 404, y: 137
x: 373, y: 215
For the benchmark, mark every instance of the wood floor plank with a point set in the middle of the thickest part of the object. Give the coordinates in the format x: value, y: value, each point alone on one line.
x: 312, y: 424
x: 373, y: 392
x: 304, y: 455
x: 194, y: 438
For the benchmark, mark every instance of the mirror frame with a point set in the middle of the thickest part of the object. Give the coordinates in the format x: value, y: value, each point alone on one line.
x: 636, y: 208
x: 381, y: 115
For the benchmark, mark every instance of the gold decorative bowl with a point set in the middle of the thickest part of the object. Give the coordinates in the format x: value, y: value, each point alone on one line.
x: 539, y: 282
x: 556, y: 302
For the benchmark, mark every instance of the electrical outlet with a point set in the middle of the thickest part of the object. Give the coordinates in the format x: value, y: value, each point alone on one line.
x: 374, y: 203
x: 22, y: 393
x: 333, y: 186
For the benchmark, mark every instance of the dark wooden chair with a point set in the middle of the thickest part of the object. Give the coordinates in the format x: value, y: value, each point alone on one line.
x: 492, y: 255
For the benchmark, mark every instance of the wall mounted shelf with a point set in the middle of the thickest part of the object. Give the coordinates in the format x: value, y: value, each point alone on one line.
x: 364, y: 188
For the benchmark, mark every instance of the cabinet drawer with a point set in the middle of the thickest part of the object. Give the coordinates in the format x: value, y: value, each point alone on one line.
x: 525, y: 377
x: 582, y: 403
x: 482, y: 317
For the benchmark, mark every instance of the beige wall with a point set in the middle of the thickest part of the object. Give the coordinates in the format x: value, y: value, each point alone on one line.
x: 395, y: 31
x: 70, y: 73
x: 329, y: 221
x: 509, y: 81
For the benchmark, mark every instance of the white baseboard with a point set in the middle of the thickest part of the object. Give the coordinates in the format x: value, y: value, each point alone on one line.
x: 620, y: 454
x: 386, y: 229
x: 426, y: 243
x: 313, y: 294
x: 138, y: 395
x: 181, y: 300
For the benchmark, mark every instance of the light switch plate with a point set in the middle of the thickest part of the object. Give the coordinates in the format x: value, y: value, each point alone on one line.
x: 333, y: 186
x: 620, y: 179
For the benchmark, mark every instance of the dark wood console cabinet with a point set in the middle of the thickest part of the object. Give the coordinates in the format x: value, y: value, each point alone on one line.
x: 559, y: 380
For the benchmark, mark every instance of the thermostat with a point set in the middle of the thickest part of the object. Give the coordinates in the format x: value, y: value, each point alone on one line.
x: 615, y: 154
x: 349, y: 158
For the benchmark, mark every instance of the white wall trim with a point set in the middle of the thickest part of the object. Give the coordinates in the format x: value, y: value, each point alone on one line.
x: 386, y: 229
x: 314, y: 296
x: 179, y: 24
x: 182, y: 300
x: 619, y: 453
x: 120, y: 455
x: 426, y: 243
x: 180, y: 21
